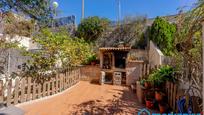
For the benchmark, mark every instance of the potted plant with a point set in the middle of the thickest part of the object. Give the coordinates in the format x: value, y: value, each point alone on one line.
x: 92, y: 60
x: 159, y: 95
x: 149, y: 99
x: 161, y: 75
x: 149, y: 103
x: 167, y: 72
x: 142, y: 81
x: 145, y: 83
x: 158, y: 78
x: 163, y: 107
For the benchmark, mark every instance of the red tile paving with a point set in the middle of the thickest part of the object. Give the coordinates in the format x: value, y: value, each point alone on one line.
x: 87, y: 99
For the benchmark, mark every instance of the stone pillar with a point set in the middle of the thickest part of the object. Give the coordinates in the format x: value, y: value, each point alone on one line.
x: 101, y: 59
x: 113, y: 61
x: 102, y: 77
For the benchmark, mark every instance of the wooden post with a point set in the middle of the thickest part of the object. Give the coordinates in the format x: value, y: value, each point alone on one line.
x: 141, y: 72
x: 75, y: 76
x: 34, y: 90
x: 69, y: 82
x: 79, y: 74
x: 63, y: 75
x: 1, y: 91
x: 203, y: 55
x: 172, y: 90
x: 44, y: 89
x: 53, y: 86
x: 60, y: 79
x: 168, y: 89
x: 144, y: 70
x: 113, y: 61
x: 148, y: 69
x: 23, y: 90
x: 16, y: 91
x: 39, y: 91
x: 64, y: 81
x: 29, y: 89
x: 9, y: 92
x: 174, y: 96
x: 57, y: 80
x: 48, y: 87
x: 71, y: 78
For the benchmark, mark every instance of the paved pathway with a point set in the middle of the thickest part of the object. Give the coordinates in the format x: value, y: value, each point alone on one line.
x: 87, y: 99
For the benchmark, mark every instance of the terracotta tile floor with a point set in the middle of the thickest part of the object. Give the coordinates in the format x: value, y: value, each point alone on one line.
x: 87, y: 99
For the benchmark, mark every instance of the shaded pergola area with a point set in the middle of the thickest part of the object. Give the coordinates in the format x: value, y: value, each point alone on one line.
x: 113, y: 62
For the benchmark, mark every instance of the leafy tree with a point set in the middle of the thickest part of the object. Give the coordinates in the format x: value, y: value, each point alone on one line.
x: 188, y: 42
x: 162, y: 33
x: 92, y: 28
x: 13, y: 26
x: 130, y: 31
x: 36, y: 9
x: 141, y: 43
x: 58, y: 50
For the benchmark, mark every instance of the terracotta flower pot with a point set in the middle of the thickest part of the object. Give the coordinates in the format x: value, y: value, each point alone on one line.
x: 147, y: 85
x: 158, y: 96
x: 93, y: 63
x: 162, y: 108
x: 149, y: 103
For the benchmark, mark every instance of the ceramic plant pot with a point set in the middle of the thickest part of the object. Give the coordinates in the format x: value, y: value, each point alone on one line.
x: 149, y: 103
x: 147, y: 84
x: 163, y: 107
x: 158, y: 96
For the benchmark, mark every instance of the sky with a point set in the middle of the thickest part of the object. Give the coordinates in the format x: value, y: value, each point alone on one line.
x: 109, y: 9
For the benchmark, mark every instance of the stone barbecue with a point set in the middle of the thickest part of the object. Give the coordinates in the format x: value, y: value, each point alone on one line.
x: 113, y: 62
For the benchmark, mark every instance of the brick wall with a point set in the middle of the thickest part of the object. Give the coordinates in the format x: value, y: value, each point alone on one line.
x: 90, y: 73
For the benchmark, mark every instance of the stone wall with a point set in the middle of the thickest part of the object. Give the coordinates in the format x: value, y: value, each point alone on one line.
x: 90, y: 73
x: 13, y: 62
x: 138, y: 55
x: 133, y: 71
x: 155, y: 55
x: 136, y: 58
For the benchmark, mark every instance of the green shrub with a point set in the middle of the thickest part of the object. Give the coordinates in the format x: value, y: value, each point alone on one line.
x: 161, y: 75
x: 91, y: 59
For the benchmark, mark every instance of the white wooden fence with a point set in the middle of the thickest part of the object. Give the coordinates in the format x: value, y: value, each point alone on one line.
x: 27, y: 89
